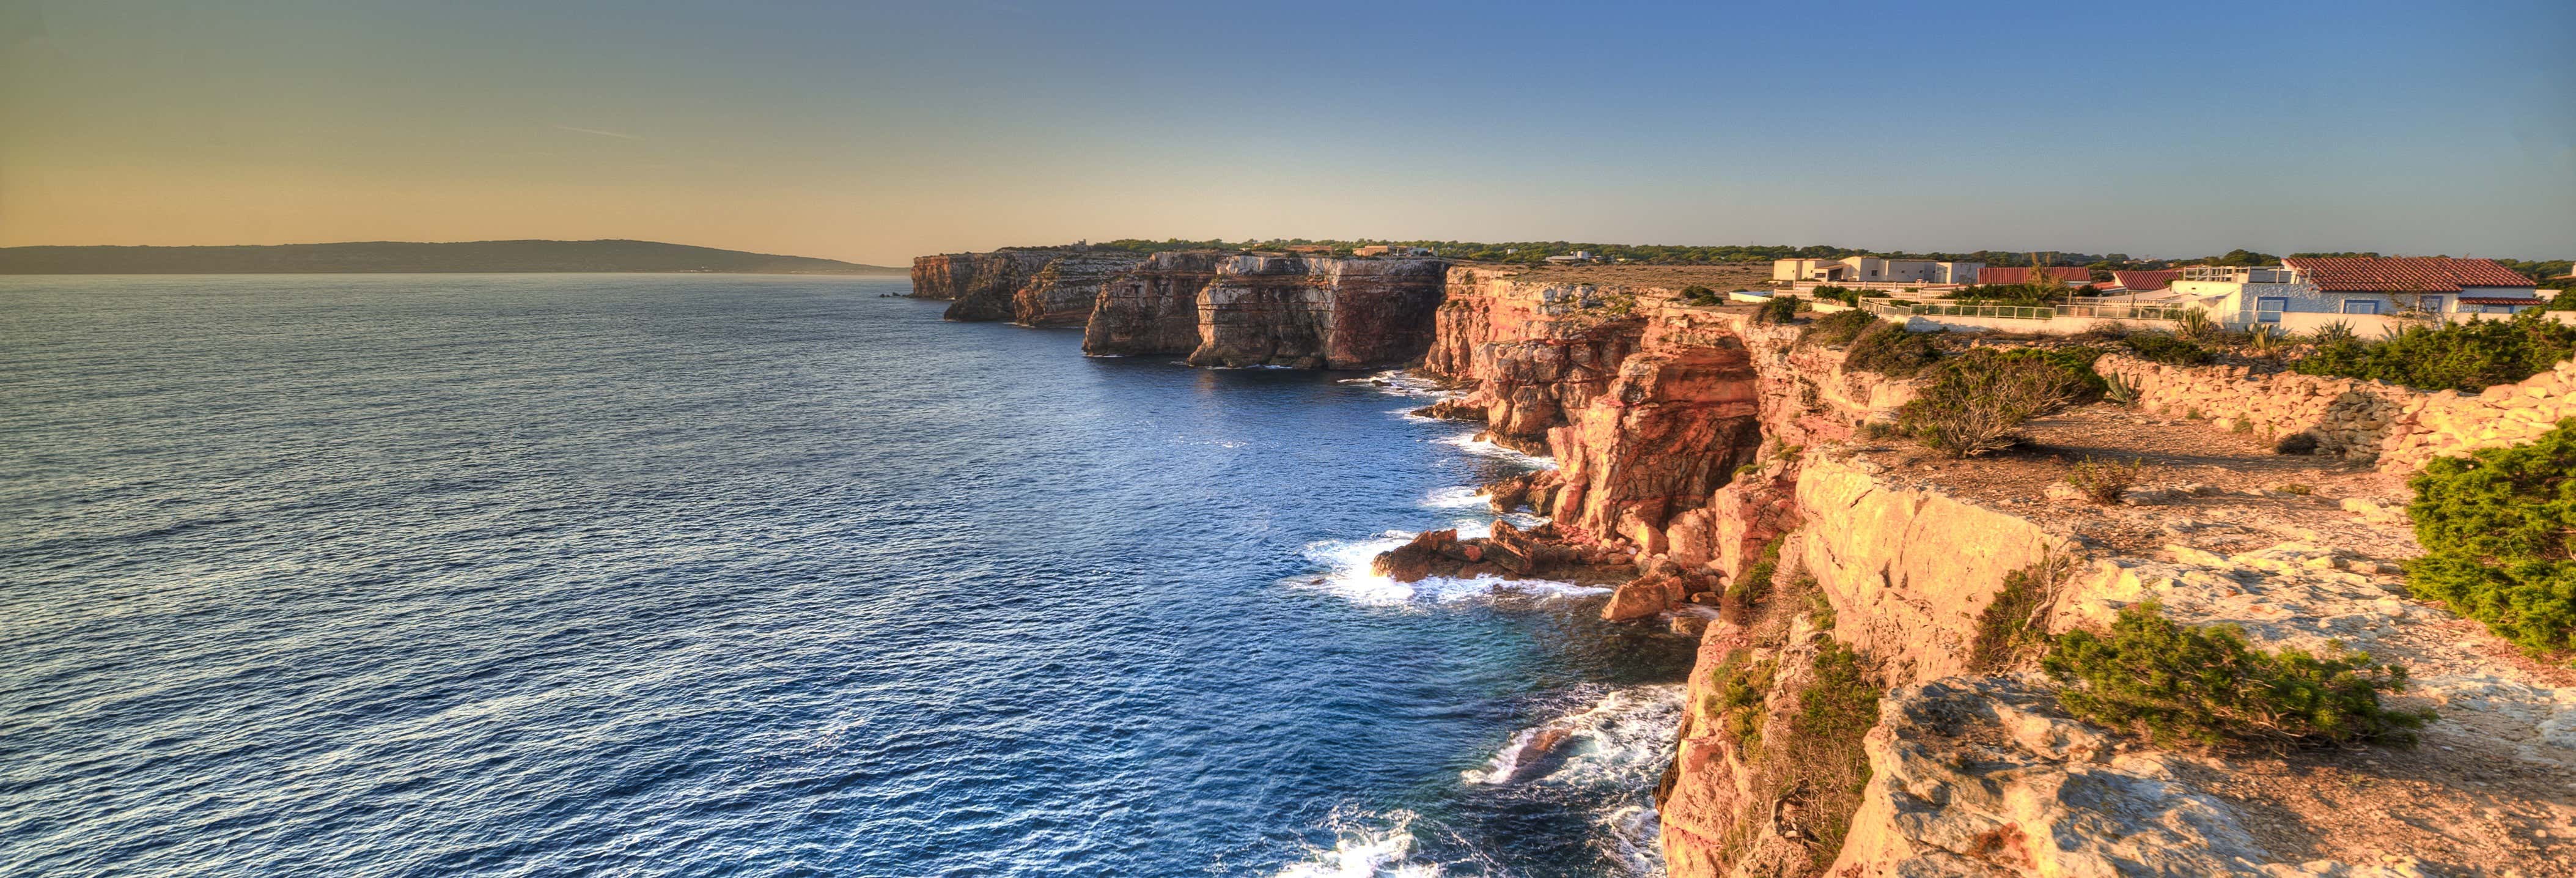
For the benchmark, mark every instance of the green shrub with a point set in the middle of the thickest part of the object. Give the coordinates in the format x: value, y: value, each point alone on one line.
x: 2179, y: 685
x: 2499, y: 533
x: 1838, y: 707
x: 2102, y: 481
x: 1782, y: 308
x: 1699, y: 295
x: 1976, y: 402
x: 1845, y: 295
x: 1887, y: 349
x: 2010, y: 627
x: 2167, y: 349
x: 2469, y: 356
x: 1838, y: 328
x: 1756, y: 581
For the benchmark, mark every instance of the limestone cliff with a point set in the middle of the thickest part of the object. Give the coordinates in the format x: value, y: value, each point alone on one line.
x: 1064, y: 292
x: 1031, y: 287
x: 1237, y: 310
x: 1840, y: 587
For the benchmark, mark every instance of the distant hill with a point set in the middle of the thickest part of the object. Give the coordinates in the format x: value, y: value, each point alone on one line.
x: 364, y: 257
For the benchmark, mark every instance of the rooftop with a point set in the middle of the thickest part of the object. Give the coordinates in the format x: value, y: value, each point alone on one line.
x: 2425, y: 274
x: 1991, y: 275
x: 2145, y: 281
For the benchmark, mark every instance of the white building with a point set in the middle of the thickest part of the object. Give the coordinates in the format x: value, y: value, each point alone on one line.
x: 2304, y: 292
x: 1873, y: 269
x: 1574, y: 257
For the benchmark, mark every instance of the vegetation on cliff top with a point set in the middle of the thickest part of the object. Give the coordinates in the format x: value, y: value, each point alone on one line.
x: 2499, y: 533
x: 2468, y: 356
x: 1976, y: 402
x: 2183, y: 686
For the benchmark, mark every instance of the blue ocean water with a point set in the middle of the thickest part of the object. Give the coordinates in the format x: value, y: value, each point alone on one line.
x: 722, y: 575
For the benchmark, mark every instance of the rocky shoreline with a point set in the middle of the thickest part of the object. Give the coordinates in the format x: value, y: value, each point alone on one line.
x: 1714, y: 469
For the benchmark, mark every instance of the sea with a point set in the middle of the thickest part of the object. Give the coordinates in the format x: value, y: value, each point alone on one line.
x: 681, y: 575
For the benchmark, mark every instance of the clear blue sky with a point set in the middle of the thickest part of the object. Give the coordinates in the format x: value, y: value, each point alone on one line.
x: 874, y: 131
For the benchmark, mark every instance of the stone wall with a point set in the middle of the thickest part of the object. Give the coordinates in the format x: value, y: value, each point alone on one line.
x: 2346, y: 416
x: 2398, y: 427
x: 2449, y: 423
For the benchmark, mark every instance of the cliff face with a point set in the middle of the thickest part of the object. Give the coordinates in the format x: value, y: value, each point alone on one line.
x: 979, y: 286
x: 1152, y: 308
x: 1030, y: 287
x: 1535, y: 354
x: 1245, y: 310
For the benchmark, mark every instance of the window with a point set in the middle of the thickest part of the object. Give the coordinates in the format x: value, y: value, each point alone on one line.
x: 2433, y: 304
x: 2361, y: 306
x: 2268, y: 308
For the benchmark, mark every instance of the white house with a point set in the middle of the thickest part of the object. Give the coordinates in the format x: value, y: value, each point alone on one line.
x: 1574, y: 257
x: 2304, y: 292
x: 1873, y: 269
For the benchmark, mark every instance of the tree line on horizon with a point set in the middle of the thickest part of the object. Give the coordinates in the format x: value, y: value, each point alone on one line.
x: 1537, y: 252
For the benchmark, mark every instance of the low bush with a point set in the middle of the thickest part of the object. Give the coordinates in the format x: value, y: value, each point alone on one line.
x: 2170, y: 350
x: 1824, y: 747
x: 2184, y: 686
x: 1888, y: 349
x: 1845, y: 295
x: 1782, y: 308
x: 1699, y: 295
x: 1976, y: 402
x: 2102, y: 481
x: 2499, y: 533
x: 2468, y: 357
x: 2010, y: 628
x: 1838, y: 328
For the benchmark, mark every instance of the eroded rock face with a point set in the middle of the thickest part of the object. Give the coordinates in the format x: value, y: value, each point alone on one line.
x: 1908, y: 570
x: 1985, y: 777
x: 1536, y: 354
x: 1236, y: 310
x: 1064, y: 292
x: 978, y: 286
x: 1663, y: 437
x: 1152, y: 308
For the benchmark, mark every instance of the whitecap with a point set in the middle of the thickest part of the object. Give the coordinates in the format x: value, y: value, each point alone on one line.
x: 1346, y: 573
x: 1397, y: 382
x: 1473, y: 443
x: 1369, y: 846
x: 1624, y: 735
x: 1456, y: 497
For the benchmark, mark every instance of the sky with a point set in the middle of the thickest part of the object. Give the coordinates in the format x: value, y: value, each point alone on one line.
x: 874, y: 132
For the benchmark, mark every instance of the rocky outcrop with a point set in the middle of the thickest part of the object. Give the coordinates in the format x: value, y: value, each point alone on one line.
x: 1064, y: 292
x: 1032, y: 287
x: 1533, y: 354
x: 978, y: 286
x: 1152, y: 308
x: 1908, y: 570
x: 1236, y: 310
x: 1509, y: 553
x: 1663, y: 437
x: 1985, y: 778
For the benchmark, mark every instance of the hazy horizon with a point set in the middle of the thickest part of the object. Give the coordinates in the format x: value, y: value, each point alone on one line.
x: 877, y: 132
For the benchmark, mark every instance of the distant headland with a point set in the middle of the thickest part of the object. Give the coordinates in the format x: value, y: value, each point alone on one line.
x: 401, y: 257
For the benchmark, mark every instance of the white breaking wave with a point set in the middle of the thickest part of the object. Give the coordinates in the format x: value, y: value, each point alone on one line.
x: 1346, y: 573
x: 1396, y: 382
x: 1618, y: 743
x: 1456, y: 497
x: 1625, y: 733
x: 1468, y: 442
x: 1369, y: 847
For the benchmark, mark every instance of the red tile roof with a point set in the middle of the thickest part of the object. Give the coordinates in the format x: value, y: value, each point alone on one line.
x: 2419, y: 274
x: 2145, y: 281
x: 2500, y: 300
x: 2022, y: 275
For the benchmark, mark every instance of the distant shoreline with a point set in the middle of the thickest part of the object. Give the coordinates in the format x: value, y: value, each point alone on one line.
x: 405, y: 257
